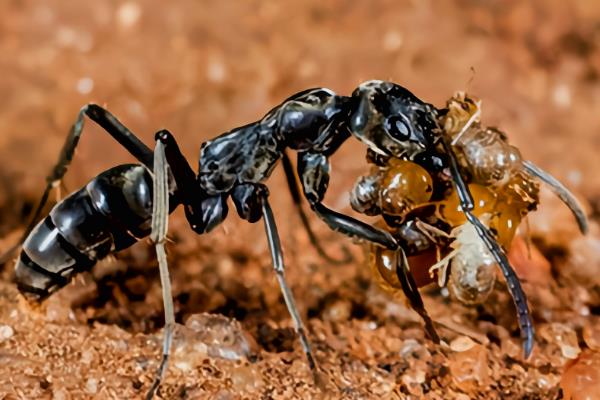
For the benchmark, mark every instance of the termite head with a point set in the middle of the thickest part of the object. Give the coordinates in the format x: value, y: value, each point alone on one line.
x: 391, y: 120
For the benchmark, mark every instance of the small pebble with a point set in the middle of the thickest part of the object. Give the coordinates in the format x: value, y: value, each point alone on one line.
x: 209, y: 335
x: 216, y: 71
x: 60, y: 394
x: 246, y: 378
x: 470, y: 368
x: 461, y: 396
x: 87, y: 356
x: 562, y: 96
x: 581, y: 378
x: 392, y: 41
x: 6, y: 332
x: 338, y: 311
x: 462, y: 343
x: 564, y: 337
x: 91, y: 386
x: 85, y: 85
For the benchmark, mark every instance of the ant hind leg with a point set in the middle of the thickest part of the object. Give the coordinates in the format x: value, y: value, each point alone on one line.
x: 288, y: 297
x: 160, y: 219
x: 111, y: 125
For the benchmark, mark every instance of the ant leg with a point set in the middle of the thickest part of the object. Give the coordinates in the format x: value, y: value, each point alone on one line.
x: 293, y: 186
x: 160, y: 220
x: 251, y: 202
x: 410, y: 287
x: 111, y: 125
x: 513, y: 283
x: 288, y: 297
x: 314, y: 170
x: 430, y: 231
x: 203, y: 212
x: 561, y: 191
x: 354, y: 228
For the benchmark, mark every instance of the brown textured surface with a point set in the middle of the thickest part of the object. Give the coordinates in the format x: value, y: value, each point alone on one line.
x: 202, y: 67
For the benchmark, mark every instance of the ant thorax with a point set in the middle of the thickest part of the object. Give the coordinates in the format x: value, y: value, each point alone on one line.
x: 503, y: 192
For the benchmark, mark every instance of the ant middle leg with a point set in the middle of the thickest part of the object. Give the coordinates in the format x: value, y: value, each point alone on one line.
x: 314, y: 171
x: 111, y: 125
x: 251, y: 201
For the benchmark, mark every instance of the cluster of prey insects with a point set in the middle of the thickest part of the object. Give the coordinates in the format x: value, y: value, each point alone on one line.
x: 439, y: 180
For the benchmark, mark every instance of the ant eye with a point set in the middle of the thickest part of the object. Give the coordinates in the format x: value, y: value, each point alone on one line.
x: 397, y: 127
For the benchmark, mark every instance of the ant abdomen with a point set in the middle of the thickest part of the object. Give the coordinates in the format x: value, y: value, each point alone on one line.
x: 110, y: 213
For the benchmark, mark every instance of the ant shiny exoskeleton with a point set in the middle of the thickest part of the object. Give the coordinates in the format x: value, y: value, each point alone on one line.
x: 129, y: 202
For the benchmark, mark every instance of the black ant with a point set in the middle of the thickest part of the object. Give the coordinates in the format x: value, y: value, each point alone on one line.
x: 129, y: 202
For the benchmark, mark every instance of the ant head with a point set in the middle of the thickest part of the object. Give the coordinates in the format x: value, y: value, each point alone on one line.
x: 391, y: 120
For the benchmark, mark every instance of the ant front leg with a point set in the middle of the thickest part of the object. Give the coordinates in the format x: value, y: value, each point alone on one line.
x: 512, y: 281
x: 111, y: 125
x: 313, y: 169
x: 295, y: 192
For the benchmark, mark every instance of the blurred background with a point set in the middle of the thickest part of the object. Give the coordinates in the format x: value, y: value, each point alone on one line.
x: 200, y: 68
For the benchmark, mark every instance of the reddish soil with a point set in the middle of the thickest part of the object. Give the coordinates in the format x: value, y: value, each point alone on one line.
x: 201, y: 68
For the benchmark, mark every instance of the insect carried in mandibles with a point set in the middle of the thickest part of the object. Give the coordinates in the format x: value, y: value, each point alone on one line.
x: 129, y: 202
x: 423, y: 210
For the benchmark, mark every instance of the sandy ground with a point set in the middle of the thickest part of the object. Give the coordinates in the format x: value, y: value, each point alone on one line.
x: 200, y: 68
